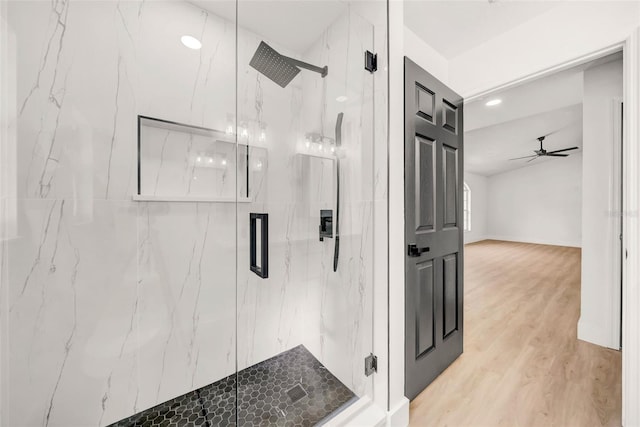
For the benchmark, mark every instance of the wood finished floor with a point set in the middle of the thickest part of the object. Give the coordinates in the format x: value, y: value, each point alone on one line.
x: 522, y: 364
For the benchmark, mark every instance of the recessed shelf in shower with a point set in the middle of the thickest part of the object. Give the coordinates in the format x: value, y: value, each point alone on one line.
x: 181, y: 162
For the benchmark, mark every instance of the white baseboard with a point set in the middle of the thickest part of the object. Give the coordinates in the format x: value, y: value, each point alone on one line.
x: 596, y: 334
x: 363, y: 413
x: 535, y: 241
x: 398, y: 416
x: 474, y: 239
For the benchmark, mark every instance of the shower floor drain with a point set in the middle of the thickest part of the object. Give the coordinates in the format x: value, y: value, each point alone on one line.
x: 296, y: 393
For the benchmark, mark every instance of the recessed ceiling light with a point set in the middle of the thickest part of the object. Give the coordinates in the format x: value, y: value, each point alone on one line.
x: 191, y: 42
x: 493, y: 102
x: 341, y: 98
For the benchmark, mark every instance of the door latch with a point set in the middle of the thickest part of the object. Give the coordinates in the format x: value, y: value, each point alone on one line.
x: 414, y: 251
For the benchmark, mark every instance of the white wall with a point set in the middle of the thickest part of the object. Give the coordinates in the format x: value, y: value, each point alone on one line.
x: 398, y: 403
x: 538, y: 204
x: 631, y: 231
x: 478, y: 187
x: 566, y: 32
x: 402, y: 41
x: 425, y: 56
x: 600, y: 306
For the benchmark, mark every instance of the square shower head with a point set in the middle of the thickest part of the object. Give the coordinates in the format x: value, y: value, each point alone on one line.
x: 273, y: 65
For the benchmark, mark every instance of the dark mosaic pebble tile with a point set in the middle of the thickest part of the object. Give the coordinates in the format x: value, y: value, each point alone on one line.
x: 290, y: 389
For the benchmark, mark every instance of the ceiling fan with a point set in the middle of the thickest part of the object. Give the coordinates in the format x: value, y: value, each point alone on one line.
x: 542, y: 152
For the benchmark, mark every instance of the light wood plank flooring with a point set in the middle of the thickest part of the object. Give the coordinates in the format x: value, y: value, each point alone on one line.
x: 522, y: 364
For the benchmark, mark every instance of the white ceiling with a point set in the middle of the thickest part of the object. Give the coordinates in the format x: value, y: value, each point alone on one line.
x: 295, y: 25
x: 493, y: 135
x: 550, y: 93
x: 475, y: 21
x: 488, y: 149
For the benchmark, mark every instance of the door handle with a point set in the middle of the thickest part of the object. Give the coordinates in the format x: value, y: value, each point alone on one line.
x: 415, y: 251
x: 261, y: 268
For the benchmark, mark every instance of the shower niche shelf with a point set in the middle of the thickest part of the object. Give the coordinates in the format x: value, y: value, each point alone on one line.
x: 316, y: 155
x: 178, y: 162
x: 192, y: 199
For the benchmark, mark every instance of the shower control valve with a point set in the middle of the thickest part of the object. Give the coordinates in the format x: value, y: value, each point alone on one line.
x: 326, y: 224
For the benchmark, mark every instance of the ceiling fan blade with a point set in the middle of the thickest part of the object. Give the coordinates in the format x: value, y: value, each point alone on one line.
x: 525, y: 157
x: 564, y: 149
x: 532, y: 159
x: 556, y: 131
x: 557, y: 155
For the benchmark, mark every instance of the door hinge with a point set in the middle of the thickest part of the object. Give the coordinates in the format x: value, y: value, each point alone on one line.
x: 370, y: 364
x: 371, y: 61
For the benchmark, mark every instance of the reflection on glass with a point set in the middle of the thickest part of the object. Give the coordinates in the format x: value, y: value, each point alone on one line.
x: 307, y: 329
x: 134, y: 148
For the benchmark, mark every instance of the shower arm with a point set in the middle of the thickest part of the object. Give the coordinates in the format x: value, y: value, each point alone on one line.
x: 323, y: 71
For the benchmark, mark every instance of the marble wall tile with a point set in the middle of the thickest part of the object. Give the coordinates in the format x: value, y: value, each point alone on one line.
x: 340, y: 315
x: 84, y: 73
x: 330, y: 312
x: 186, y: 294
x: 87, y: 69
x: 269, y: 310
x: 181, y: 162
x: 340, y: 303
x: 114, y: 306
x: 137, y: 318
x: 71, y: 318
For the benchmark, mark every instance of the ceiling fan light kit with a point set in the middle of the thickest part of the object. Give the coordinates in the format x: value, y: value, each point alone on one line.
x: 544, y: 153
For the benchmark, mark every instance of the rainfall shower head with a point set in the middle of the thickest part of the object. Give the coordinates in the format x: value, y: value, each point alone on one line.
x: 273, y: 65
x: 279, y: 68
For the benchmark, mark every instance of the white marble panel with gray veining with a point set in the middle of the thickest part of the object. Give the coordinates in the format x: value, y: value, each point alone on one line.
x: 87, y: 69
x: 114, y: 306
x: 72, y: 313
x: 340, y: 302
x: 186, y: 292
x: 182, y: 163
x: 303, y: 299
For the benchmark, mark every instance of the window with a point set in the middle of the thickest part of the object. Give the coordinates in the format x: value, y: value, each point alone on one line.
x: 466, y: 206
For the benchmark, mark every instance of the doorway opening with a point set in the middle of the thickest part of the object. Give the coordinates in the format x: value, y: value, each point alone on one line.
x: 543, y: 172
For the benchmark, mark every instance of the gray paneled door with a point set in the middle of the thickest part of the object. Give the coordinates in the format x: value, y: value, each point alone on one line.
x: 433, y: 227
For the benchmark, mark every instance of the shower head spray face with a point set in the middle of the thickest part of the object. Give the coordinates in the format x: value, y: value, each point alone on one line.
x: 276, y: 67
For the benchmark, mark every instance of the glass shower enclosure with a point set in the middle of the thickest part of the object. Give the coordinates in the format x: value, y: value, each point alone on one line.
x: 188, y: 199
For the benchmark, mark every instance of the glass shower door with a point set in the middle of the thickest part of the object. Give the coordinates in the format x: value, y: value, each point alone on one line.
x: 118, y: 213
x: 305, y: 134
x: 187, y: 223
